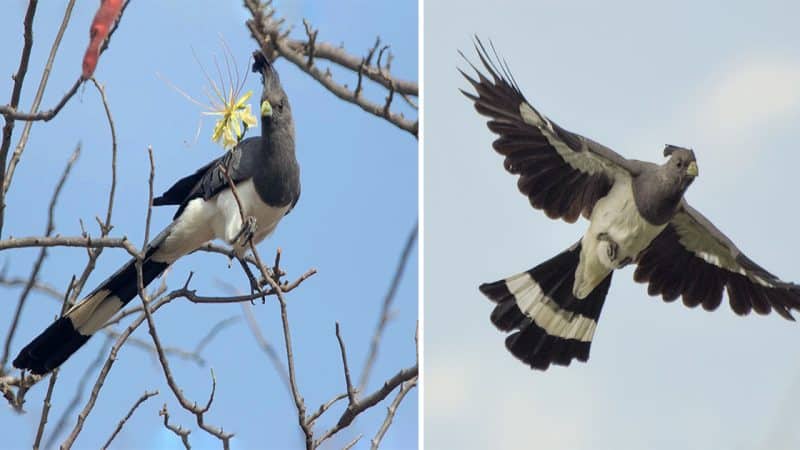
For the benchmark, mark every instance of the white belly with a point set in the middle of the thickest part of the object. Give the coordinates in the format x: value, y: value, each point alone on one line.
x: 228, y: 223
x: 218, y: 217
x: 616, y: 216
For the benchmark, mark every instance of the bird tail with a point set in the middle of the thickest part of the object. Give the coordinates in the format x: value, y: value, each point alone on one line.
x: 67, y: 334
x: 551, y: 325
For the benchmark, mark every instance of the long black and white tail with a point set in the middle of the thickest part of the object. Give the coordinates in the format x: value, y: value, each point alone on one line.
x: 551, y: 325
x: 67, y: 334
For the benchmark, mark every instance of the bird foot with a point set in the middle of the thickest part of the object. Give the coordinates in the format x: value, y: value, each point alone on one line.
x: 612, y: 248
x: 242, y: 238
x: 612, y: 251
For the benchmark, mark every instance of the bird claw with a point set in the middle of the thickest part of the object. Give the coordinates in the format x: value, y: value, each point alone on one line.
x: 611, y: 250
x: 248, y: 230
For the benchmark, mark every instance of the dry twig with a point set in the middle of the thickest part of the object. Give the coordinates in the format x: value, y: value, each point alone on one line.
x: 268, y: 32
x: 121, y: 423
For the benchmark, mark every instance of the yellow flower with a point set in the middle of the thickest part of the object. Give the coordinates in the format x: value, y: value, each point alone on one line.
x: 235, y: 114
x: 228, y: 131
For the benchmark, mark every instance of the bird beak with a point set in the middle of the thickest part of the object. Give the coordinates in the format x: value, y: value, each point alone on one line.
x: 692, y: 170
x: 266, y: 109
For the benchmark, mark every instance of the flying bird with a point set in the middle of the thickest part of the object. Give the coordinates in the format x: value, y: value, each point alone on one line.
x: 265, y: 172
x: 637, y: 215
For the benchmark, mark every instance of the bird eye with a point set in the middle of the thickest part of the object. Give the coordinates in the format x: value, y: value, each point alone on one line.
x: 680, y: 164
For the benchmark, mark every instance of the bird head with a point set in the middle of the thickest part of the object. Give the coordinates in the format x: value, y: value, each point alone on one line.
x: 681, y: 164
x: 274, y: 108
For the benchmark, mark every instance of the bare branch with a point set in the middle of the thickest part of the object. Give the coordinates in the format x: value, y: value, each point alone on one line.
x: 121, y: 423
x: 10, y: 112
x: 16, y: 91
x: 106, y: 228
x: 7, y: 174
x: 352, y: 443
x: 391, y: 411
x: 212, y: 333
x: 267, y: 31
x: 173, y: 385
x: 37, y: 266
x: 287, y: 338
x: 354, y: 409
x: 112, y: 357
x: 324, y: 407
x: 272, y: 354
x: 52, y: 385
x: 351, y: 393
x: 180, y: 432
x: 64, y: 241
x: 45, y: 410
x: 386, y: 309
x: 79, y: 392
x: 149, y: 198
x: 37, y: 286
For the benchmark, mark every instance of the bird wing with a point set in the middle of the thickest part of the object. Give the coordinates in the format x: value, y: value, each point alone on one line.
x: 692, y: 258
x: 561, y: 172
x: 209, y: 180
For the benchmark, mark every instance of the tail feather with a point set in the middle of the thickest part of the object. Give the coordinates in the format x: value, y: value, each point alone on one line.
x: 550, y: 325
x: 67, y: 334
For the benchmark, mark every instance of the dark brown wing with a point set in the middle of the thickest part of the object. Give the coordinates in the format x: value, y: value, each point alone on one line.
x: 561, y: 172
x: 209, y: 180
x: 693, y: 259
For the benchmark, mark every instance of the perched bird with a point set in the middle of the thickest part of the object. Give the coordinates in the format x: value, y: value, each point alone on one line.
x: 267, y: 178
x: 637, y: 214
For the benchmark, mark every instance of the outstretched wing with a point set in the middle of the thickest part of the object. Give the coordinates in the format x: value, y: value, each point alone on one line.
x: 561, y: 172
x: 693, y: 259
x: 209, y: 180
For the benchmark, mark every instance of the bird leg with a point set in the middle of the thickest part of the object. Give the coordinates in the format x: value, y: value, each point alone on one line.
x: 242, y: 238
x: 613, y: 250
x: 255, y: 285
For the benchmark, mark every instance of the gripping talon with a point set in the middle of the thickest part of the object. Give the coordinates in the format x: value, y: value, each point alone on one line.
x: 247, y: 231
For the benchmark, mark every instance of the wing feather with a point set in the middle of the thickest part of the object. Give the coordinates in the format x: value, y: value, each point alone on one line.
x: 561, y: 172
x: 692, y: 258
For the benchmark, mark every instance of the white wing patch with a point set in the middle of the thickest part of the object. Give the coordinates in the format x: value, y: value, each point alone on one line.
x: 91, y: 314
x: 585, y: 161
x: 696, y: 239
x: 546, y: 313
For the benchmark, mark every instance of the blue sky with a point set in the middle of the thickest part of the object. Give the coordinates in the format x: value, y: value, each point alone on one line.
x: 720, y: 77
x: 358, y: 204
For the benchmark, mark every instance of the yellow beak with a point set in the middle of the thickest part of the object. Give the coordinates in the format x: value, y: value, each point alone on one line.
x: 266, y: 109
x: 692, y: 169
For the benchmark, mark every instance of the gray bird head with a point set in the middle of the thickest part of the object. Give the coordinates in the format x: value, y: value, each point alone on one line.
x: 681, y: 165
x: 275, y: 110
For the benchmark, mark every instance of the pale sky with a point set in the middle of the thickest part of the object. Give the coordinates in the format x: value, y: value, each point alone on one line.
x: 722, y: 78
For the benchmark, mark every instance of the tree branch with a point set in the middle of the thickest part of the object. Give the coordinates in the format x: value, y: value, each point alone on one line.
x: 37, y: 266
x: 268, y: 32
x: 392, y: 410
x: 385, y: 316
x: 121, y: 423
